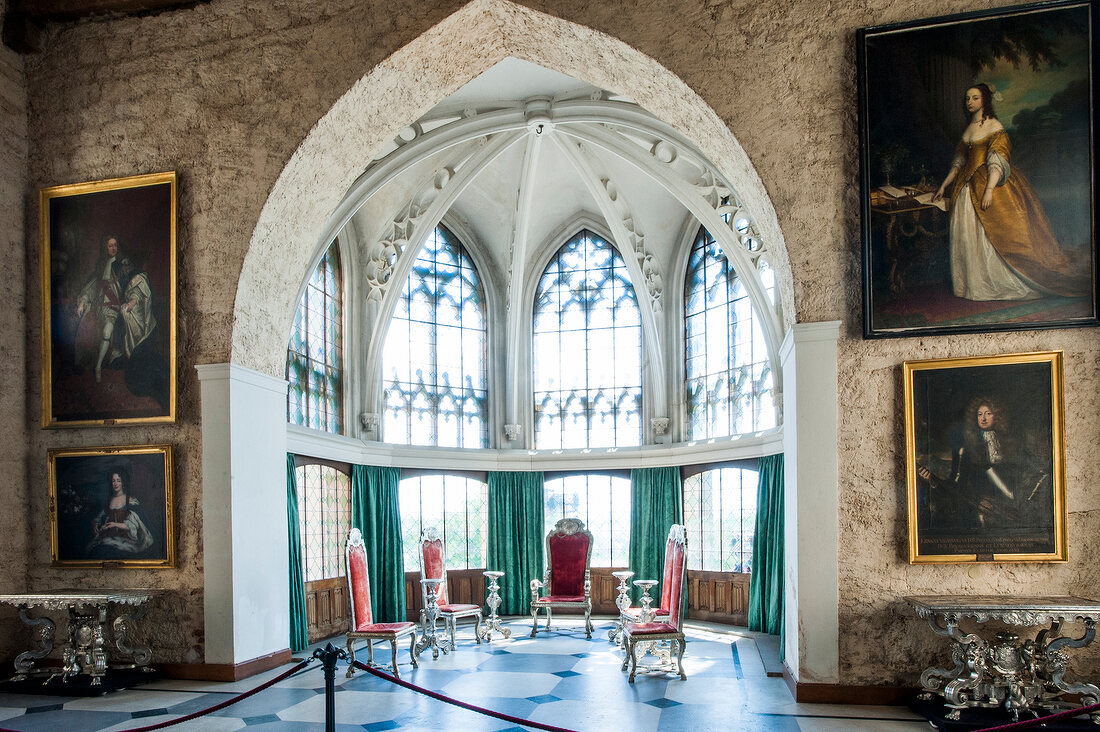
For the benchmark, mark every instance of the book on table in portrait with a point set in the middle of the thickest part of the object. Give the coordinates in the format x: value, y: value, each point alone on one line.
x: 977, y: 178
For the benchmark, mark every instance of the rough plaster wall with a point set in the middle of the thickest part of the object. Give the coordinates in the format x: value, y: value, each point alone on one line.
x: 13, y: 375
x: 226, y: 92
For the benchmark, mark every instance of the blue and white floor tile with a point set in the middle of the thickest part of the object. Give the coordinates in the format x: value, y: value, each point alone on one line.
x: 559, y: 678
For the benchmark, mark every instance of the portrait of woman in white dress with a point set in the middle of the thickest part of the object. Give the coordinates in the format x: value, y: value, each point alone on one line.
x: 1001, y: 243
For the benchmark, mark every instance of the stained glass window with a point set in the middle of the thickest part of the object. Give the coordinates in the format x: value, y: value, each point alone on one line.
x: 434, y: 368
x: 720, y: 517
x: 324, y: 516
x: 730, y: 389
x: 314, y: 356
x: 457, y: 507
x: 587, y: 349
x: 602, y: 502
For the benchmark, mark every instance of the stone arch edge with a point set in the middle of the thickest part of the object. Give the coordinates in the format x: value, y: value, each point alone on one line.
x: 408, y: 84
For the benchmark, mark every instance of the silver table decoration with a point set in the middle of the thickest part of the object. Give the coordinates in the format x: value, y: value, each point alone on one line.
x: 85, y: 650
x: 1020, y: 675
x: 615, y: 633
x: 492, y: 623
x: 429, y: 636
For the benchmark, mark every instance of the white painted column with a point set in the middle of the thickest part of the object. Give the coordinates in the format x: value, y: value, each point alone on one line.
x: 244, y: 513
x: 810, y: 594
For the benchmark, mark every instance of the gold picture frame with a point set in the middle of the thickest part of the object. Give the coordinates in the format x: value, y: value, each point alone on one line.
x: 985, y: 459
x: 112, y: 507
x: 108, y: 280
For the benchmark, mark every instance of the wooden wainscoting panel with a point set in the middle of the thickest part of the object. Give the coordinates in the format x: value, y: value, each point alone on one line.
x: 720, y: 597
x: 326, y: 608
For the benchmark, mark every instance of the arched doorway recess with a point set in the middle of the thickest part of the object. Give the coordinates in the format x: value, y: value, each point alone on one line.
x: 243, y: 415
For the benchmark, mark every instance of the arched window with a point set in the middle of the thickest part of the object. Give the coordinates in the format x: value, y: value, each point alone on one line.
x: 587, y: 349
x: 324, y: 516
x: 720, y: 518
x: 730, y: 389
x: 457, y: 507
x: 434, y: 369
x: 602, y: 502
x: 314, y: 356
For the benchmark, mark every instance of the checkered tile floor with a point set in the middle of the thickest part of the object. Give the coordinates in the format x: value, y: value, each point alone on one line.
x: 559, y: 678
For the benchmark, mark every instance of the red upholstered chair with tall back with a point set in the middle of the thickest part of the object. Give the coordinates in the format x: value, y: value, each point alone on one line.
x: 669, y: 631
x: 632, y: 614
x: 432, y: 566
x: 568, y: 580
x: 363, y: 626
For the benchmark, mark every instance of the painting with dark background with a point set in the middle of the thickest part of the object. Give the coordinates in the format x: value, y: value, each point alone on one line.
x: 984, y: 465
x: 81, y: 487
x: 130, y: 381
x: 1038, y: 63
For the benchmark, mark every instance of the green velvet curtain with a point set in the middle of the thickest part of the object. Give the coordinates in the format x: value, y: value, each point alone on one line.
x: 299, y: 638
x: 766, y: 583
x: 516, y: 536
x: 656, y: 503
x: 374, y: 511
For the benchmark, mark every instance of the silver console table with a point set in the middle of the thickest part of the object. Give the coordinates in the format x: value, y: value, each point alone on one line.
x: 85, y: 650
x: 1007, y: 671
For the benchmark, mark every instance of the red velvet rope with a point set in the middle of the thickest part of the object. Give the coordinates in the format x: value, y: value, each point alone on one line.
x: 216, y: 707
x: 1043, y: 720
x: 440, y: 697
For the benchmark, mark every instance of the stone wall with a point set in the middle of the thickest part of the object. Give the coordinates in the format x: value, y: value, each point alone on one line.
x: 15, y: 211
x: 225, y: 93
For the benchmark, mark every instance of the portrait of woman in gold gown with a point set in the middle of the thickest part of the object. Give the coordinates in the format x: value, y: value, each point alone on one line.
x: 1001, y: 243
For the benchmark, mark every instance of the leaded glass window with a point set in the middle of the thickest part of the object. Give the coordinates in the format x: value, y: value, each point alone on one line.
x: 434, y: 367
x: 730, y: 386
x: 602, y: 502
x: 314, y: 356
x: 587, y: 349
x: 458, y: 508
x: 720, y: 518
x: 324, y: 517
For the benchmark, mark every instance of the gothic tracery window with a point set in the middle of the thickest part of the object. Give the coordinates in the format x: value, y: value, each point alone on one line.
x: 434, y: 370
x: 587, y: 349
x: 314, y: 356
x: 730, y: 385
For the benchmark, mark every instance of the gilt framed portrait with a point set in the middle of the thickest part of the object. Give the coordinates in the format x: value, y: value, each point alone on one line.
x: 985, y: 459
x: 112, y: 507
x: 108, y: 269
x: 977, y: 177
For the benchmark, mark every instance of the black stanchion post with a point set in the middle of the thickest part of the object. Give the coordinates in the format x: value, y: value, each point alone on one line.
x: 328, y: 657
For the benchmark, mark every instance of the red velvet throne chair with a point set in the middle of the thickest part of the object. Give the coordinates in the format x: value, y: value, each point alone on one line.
x: 632, y: 614
x: 662, y: 637
x: 432, y: 567
x: 362, y: 625
x: 568, y: 581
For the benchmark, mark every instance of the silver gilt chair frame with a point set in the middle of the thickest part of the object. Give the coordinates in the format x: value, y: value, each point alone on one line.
x: 662, y: 638
x: 361, y: 620
x: 432, y: 566
x: 565, y: 586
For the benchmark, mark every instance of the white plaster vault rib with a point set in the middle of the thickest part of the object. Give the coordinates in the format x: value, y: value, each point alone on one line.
x: 448, y: 187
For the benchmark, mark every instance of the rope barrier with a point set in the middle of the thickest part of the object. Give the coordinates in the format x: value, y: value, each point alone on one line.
x: 464, y: 705
x: 216, y: 707
x: 1079, y: 711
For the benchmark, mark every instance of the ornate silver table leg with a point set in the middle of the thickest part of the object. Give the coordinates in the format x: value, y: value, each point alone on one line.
x: 43, y: 633
x: 430, y: 637
x: 615, y: 634
x: 1054, y: 662
x: 492, y: 623
x: 122, y: 626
